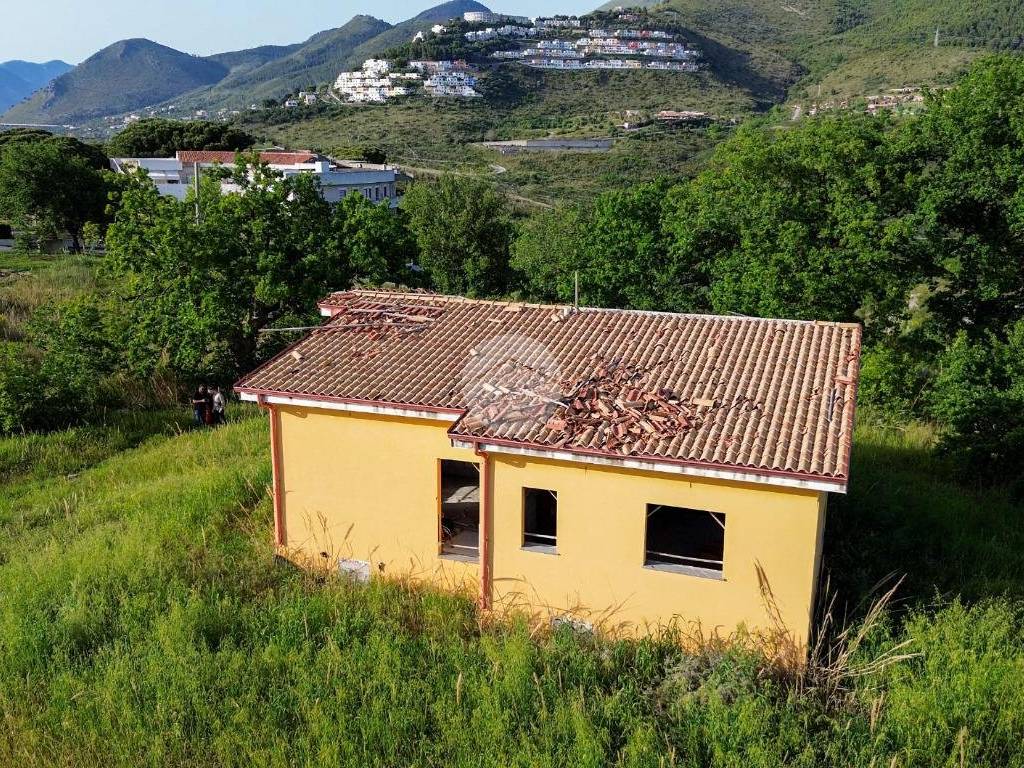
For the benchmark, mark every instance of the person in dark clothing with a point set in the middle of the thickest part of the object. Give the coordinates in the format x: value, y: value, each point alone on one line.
x: 199, y: 406
x: 208, y: 406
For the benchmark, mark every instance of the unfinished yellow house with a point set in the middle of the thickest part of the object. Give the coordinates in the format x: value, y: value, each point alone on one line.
x: 626, y: 468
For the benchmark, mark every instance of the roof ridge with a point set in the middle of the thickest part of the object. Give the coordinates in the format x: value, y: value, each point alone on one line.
x: 456, y: 299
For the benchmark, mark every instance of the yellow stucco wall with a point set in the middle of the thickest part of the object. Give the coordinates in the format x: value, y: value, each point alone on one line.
x: 366, y: 487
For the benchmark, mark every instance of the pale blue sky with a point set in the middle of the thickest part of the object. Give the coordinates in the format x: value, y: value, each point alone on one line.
x: 40, y: 30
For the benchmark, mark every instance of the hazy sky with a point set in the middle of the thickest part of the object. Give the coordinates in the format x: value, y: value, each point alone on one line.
x: 40, y: 30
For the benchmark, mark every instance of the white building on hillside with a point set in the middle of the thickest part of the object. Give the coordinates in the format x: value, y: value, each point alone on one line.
x: 460, y: 84
x: 373, y: 84
x: 174, y: 176
x: 486, y: 17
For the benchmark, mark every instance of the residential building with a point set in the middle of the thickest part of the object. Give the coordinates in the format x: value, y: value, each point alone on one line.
x: 460, y: 84
x: 433, y: 67
x: 630, y: 469
x: 373, y: 84
x: 486, y: 17
x: 174, y: 176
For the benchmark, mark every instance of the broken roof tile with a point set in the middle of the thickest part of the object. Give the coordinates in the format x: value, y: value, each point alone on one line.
x: 749, y: 393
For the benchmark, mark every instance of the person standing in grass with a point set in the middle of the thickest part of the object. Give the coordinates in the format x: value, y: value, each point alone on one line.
x: 219, y: 407
x: 199, y: 406
x: 208, y: 406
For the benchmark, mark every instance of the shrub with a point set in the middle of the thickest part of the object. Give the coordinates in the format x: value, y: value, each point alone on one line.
x: 979, y: 397
x: 19, y: 385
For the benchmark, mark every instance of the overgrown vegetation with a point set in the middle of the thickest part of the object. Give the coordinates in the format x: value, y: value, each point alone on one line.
x: 162, y: 138
x: 910, y: 227
x: 145, y: 621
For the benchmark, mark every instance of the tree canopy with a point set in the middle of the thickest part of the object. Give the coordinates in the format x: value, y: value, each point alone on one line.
x: 48, y: 187
x: 463, y: 229
x: 156, y: 137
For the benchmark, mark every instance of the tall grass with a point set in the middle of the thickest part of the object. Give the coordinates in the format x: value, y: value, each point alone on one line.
x: 38, y: 281
x: 145, y: 621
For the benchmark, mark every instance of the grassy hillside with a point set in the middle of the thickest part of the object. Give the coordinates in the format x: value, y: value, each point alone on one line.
x: 854, y: 47
x: 251, y: 58
x: 29, y: 281
x: 425, y: 136
x: 519, y: 103
x: 144, y: 620
x: 124, y: 76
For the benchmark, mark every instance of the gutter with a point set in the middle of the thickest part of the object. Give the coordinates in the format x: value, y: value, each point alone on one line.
x: 354, y: 405
x: 775, y: 477
x: 486, y: 526
x: 276, y: 468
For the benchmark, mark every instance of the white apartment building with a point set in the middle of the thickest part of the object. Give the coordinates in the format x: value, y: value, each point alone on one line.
x: 458, y: 83
x: 487, y: 17
x: 174, y: 176
x: 373, y: 84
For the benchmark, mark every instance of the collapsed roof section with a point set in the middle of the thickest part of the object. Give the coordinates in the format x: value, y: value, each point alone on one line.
x: 763, y: 400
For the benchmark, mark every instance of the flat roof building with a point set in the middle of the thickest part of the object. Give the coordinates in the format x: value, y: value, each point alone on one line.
x: 174, y: 176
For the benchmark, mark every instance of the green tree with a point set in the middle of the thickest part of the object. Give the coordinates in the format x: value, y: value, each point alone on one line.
x: 810, y: 222
x: 620, y: 248
x: 375, y: 240
x: 546, y: 252
x: 463, y: 229
x: 969, y: 210
x: 156, y: 137
x: 979, y: 398
x: 78, y: 347
x: 92, y: 153
x: 45, y: 188
x: 19, y: 385
x: 195, y: 295
x: 625, y: 257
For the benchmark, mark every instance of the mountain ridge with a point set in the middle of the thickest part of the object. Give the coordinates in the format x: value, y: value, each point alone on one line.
x: 135, y: 73
x: 19, y: 79
x: 119, y: 78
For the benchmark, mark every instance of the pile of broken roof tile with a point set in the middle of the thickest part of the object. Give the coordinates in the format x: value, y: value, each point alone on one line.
x: 610, y: 410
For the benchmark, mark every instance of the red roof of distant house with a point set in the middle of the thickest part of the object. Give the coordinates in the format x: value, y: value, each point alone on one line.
x: 228, y: 158
x: 751, y: 395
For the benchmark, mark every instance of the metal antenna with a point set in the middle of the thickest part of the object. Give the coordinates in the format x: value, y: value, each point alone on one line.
x: 576, y: 291
x: 195, y: 173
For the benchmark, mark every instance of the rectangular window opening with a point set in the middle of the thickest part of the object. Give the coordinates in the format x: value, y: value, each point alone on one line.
x: 460, y: 509
x: 685, y: 540
x: 540, y: 519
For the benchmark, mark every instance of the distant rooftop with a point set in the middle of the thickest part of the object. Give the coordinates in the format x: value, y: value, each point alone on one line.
x: 228, y: 158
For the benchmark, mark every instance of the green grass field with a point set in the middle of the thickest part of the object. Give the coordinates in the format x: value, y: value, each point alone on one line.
x: 30, y: 280
x: 145, y: 621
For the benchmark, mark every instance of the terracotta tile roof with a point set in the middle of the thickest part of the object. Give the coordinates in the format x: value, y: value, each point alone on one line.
x: 228, y: 158
x: 754, y: 395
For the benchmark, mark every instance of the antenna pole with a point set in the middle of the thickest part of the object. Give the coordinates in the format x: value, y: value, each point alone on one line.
x: 195, y: 173
x: 576, y: 291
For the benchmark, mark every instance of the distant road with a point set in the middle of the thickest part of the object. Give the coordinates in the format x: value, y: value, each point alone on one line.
x: 412, y: 170
x: 36, y: 125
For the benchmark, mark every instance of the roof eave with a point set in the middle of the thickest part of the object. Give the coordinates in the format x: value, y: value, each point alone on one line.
x: 350, y: 405
x: 778, y: 478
